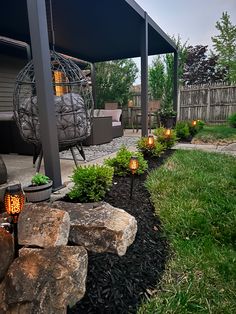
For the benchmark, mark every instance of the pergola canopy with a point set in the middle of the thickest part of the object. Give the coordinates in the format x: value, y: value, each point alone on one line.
x: 91, y: 30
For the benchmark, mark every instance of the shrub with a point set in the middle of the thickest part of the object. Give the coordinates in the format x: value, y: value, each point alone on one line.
x: 120, y: 163
x: 200, y: 124
x: 195, y: 129
x: 147, y: 150
x: 182, y: 130
x: 91, y: 183
x: 232, y: 120
x: 39, y: 179
x: 167, y: 141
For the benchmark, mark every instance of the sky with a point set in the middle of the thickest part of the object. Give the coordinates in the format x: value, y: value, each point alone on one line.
x: 193, y: 20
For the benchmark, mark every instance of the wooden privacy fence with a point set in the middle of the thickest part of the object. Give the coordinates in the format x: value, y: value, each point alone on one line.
x: 211, y: 103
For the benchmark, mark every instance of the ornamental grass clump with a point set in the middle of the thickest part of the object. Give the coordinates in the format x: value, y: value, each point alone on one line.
x: 168, y: 140
x: 120, y: 163
x: 154, y: 150
x: 91, y: 183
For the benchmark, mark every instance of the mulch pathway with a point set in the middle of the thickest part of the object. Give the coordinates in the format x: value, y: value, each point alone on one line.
x: 119, y: 284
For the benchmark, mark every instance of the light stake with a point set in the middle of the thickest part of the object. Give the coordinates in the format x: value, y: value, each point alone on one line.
x: 14, y: 201
x: 133, y: 166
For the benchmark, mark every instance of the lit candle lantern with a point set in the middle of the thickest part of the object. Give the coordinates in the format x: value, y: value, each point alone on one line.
x: 168, y: 132
x: 133, y: 164
x: 14, y: 201
x: 150, y: 140
x: 194, y: 123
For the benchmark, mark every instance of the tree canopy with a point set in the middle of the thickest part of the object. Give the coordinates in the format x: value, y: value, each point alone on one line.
x: 114, y: 80
x: 200, y: 67
x: 225, y: 46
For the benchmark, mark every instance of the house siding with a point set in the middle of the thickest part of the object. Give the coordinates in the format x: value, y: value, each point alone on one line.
x: 9, y: 68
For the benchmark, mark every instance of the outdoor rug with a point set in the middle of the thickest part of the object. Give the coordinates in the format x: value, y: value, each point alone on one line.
x: 97, y: 151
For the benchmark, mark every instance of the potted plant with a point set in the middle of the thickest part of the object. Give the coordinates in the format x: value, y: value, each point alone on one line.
x: 167, y: 116
x: 40, y: 188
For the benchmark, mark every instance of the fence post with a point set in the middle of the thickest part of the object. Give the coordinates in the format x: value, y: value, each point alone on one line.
x: 208, y: 104
x: 178, y: 104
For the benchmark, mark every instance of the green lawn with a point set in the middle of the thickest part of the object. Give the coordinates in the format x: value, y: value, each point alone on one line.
x: 194, y: 194
x: 216, y: 133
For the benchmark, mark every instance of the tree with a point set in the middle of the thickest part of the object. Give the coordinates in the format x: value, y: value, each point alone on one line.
x: 157, y: 78
x: 201, y: 68
x: 114, y: 80
x: 225, y: 46
x: 169, y: 69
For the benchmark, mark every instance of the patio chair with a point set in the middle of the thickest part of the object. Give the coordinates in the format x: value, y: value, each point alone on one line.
x: 153, y: 107
x: 72, y: 100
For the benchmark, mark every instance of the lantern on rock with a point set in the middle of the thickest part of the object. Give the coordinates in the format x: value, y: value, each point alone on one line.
x: 14, y: 201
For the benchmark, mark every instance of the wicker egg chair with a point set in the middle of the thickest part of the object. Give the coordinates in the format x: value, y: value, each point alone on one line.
x: 73, y: 105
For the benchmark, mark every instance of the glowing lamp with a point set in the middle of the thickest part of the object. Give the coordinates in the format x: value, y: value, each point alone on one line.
x: 150, y: 140
x: 14, y: 201
x: 194, y: 123
x: 168, y: 132
x: 133, y: 164
x: 60, y: 78
x: 130, y: 103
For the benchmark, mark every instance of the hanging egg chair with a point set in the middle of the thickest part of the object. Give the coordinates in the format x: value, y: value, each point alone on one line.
x: 72, y: 100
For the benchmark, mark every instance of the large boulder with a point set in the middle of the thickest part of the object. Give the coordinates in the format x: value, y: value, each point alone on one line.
x: 43, y: 226
x: 6, y: 251
x: 46, y: 281
x: 100, y: 227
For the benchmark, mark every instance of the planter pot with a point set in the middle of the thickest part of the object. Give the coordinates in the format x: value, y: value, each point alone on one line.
x: 38, y: 193
x: 168, y: 122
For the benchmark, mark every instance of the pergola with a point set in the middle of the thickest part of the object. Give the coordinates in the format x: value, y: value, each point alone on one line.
x: 91, y: 30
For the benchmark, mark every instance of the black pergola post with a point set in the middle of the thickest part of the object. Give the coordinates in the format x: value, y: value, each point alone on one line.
x: 93, y: 81
x: 144, y: 77
x: 45, y: 97
x: 175, y: 89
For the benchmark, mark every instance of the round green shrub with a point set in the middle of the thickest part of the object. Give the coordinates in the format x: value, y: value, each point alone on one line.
x: 163, y: 139
x: 182, y: 130
x: 155, y: 150
x: 232, y: 120
x: 91, y: 183
x: 120, y: 163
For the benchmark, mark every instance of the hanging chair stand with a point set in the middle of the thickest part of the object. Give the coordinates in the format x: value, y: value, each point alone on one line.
x: 73, y: 104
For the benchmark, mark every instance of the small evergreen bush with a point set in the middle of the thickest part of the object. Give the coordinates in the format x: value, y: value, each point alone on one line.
x: 182, y: 130
x: 194, y: 129
x: 167, y: 141
x: 91, y: 183
x: 232, y: 120
x: 120, y: 163
x: 156, y: 150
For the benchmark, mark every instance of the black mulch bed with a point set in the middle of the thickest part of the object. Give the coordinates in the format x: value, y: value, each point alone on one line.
x: 119, y: 284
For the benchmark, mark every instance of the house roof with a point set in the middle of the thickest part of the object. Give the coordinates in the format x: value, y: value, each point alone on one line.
x: 91, y: 30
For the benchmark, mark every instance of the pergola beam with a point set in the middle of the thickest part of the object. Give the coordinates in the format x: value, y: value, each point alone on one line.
x: 44, y: 88
x: 144, y: 76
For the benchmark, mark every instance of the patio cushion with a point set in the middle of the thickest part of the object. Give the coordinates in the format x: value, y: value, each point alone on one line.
x: 115, y: 113
x: 116, y: 123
